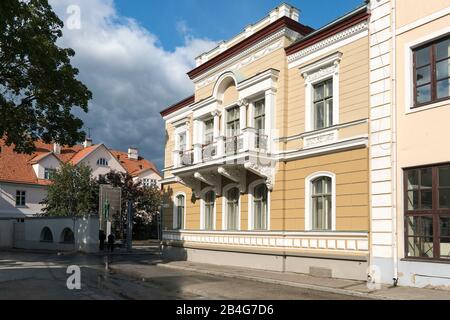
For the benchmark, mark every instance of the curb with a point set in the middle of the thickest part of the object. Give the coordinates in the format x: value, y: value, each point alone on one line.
x: 280, y: 282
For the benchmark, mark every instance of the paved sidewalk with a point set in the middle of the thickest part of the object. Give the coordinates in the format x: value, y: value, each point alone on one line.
x: 337, y: 286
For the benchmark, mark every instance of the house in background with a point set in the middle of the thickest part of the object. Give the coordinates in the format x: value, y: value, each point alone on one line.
x: 24, y: 178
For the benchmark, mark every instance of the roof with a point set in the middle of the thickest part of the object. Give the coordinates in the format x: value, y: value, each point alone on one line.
x: 134, y: 167
x: 283, y: 22
x: 353, y: 17
x: 179, y: 105
x: 18, y: 168
x: 83, y: 154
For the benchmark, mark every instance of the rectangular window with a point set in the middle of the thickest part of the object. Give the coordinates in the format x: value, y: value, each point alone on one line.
x: 49, y: 174
x: 233, y: 122
x: 323, y: 104
x: 20, y: 198
x: 427, y: 212
x: 209, y: 131
x: 432, y: 72
x: 260, y: 116
x: 182, y: 141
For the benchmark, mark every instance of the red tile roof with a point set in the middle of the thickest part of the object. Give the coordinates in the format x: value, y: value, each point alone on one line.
x: 18, y: 168
x: 134, y: 167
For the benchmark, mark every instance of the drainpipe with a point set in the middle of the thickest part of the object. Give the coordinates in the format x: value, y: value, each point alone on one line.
x: 394, y: 143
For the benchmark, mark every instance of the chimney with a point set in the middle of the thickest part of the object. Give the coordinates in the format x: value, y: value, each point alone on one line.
x: 133, y: 153
x: 87, y: 142
x: 56, y: 148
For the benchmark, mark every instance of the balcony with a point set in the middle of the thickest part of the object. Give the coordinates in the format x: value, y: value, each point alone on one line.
x: 245, y: 144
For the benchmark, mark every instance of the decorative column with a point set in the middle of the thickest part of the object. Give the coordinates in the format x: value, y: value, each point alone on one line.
x: 270, y: 117
x: 251, y: 115
x: 243, y: 113
x: 220, y: 140
x: 216, y: 115
x: 197, y: 141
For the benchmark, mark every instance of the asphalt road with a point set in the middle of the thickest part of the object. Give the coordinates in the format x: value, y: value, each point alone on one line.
x: 44, y: 276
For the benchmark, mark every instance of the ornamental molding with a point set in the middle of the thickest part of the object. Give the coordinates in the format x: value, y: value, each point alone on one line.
x: 329, y: 41
x: 210, y: 76
x: 235, y: 175
x: 320, y: 139
x: 192, y: 184
x: 266, y: 172
x: 212, y: 179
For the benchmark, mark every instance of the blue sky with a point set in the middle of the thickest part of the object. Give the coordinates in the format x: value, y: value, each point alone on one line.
x: 221, y: 20
x: 134, y: 54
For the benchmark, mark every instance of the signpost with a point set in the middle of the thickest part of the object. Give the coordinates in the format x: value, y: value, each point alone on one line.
x: 129, y: 226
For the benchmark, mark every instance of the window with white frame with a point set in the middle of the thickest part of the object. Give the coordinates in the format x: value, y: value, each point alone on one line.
x: 260, y: 122
x: 180, y: 211
x: 233, y: 122
x: 182, y: 141
x: 232, y: 209
x: 320, y: 203
x: 147, y: 182
x: 208, y: 210
x: 323, y: 104
x: 21, y: 198
x: 260, y: 207
x: 322, y: 92
x: 102, y: 162
x: 209, y: 132
x: 49, y: 173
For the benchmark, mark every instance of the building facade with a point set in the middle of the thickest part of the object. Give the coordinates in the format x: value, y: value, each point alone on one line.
x: 24, y: 178
x: 267, y: 164
x: 410, y: 169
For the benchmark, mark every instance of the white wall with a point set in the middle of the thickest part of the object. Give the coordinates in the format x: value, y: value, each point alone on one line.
x: 150, y: 174
x: 6, y: 233
x: 34, y: 195
x: 50, y: 162
x: 27, y: 234
x: 102, y: 152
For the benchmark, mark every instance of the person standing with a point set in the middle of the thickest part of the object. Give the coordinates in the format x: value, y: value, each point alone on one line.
x: 111, y: 242
x: 102, y: 238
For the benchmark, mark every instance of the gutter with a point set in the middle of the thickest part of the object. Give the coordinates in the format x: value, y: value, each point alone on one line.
x: 394, y: 143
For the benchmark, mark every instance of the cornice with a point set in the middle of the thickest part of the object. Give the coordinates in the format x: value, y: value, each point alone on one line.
x: 249, y: 43
x: 362, y: 26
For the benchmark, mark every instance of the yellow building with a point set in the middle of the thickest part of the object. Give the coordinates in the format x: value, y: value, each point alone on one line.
x: 267, y: 164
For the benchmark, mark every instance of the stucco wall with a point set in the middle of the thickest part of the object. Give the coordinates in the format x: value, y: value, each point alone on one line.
x: 34, y: 195
x: 102, y: 152
x: 287, y: 207
x: 27, y: 234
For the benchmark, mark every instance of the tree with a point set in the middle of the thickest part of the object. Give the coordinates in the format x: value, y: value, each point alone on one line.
x: 38, y: 85
x: 70, y: 193
x: 145, y: 201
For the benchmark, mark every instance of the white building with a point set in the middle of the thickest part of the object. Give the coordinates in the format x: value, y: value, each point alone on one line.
x: 24, y: 178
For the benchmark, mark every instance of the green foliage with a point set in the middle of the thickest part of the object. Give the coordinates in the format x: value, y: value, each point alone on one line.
x: 71, y: 192
x: 38, y: 85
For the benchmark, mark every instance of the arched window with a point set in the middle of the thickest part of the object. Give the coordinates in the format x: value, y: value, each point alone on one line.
x: 67, y: 236
x: 260, y: 212
x: 102, y: 162
x: 46, y: 235
x: 180, y: 211
x: 232, y: 209
x: 321, y: 203
x: 208, y: 210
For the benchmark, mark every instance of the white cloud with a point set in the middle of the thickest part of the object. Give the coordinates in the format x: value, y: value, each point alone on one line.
x: 131, y: 76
